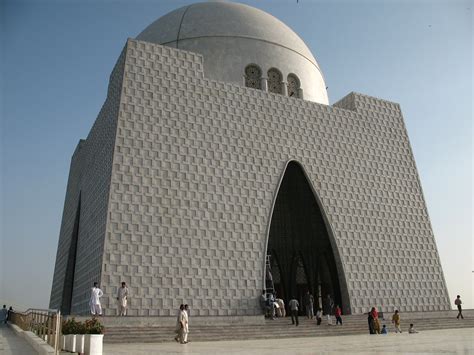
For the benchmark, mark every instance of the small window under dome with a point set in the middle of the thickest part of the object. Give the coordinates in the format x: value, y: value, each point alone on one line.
x: 253, y: 76
x: 293, y: 85
x: 274, y: 81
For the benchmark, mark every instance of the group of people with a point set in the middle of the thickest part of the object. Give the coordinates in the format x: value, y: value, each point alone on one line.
x: 182, y: 324
x: 374, y: 323
x: 273, y: 306
x: 5, y: 314
x: 97, y: 293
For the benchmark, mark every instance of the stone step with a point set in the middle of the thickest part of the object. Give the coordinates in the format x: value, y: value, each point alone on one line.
x: 280, y: 328
x: 275, y: 325
x: 304, y: 321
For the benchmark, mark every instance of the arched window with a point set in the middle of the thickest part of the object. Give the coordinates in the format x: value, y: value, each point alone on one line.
x: 274, y: 81
x: 293, y: 85
x: 253, y: 76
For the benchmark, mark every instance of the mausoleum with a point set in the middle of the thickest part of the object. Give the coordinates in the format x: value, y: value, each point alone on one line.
x: 216, y: 160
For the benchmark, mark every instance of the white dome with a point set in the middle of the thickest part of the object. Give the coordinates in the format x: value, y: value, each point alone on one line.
x: 231, y: 36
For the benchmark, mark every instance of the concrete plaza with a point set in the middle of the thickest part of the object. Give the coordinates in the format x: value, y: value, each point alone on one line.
x: 12, y: 344
x: 445, y: 341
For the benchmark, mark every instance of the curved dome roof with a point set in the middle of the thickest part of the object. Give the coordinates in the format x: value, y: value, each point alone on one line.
x: 230, y: 36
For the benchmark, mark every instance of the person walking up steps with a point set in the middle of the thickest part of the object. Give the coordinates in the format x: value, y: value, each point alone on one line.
x: 458, y: 303
x: 294, y: 307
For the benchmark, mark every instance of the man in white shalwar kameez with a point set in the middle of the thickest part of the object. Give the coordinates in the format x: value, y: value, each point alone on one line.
x: 184, y: 320
x: 122, y: 297
x: 94, y: 302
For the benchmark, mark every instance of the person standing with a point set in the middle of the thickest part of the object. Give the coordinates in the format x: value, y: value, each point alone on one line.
x: 94, y: 302
x: 10, y: 314
x: 270, y: 305
x: 183, y: 322
x: 3, y: 314
x: 188, y: 313
x: 375, y: 316
x: 178, y: 329
x: 263, y: 302
x: 294, y: 306
x: 328, y: 306
x: 396, y: 321
x: 338, y: 313
x: 458, y: 303
x: 370, y: 319
x: 122, y: 298
x: 309, y: 305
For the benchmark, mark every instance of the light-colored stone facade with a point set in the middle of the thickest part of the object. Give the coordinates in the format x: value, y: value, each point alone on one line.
x: 89, y: 181
x: 191, y: 169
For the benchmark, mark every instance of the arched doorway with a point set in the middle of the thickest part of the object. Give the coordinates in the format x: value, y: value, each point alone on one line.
x: 299, y: 235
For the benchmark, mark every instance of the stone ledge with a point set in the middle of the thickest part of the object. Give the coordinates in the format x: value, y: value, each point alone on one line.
x: 36, y: 342
x: 137, y: 321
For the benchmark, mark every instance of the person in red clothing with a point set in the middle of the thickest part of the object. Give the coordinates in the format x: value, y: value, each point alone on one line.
x: 375, y: 316
x: 338, y: 313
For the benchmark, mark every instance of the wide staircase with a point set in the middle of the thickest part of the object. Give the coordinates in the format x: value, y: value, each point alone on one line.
x: 278, y: 328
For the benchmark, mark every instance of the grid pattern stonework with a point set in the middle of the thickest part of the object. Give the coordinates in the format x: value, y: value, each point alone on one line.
x: 196, y: 167
x: 89, y: 177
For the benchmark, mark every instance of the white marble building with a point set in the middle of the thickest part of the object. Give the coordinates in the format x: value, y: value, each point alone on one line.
x: 215, y: 147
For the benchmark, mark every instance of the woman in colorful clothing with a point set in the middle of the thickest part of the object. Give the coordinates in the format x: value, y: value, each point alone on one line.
x: 375, y: 316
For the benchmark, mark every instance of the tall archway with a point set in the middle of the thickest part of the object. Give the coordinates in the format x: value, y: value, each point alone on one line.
x: 301, y: 237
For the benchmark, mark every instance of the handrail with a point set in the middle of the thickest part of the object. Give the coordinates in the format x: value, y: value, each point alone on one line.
x: 45, y: 323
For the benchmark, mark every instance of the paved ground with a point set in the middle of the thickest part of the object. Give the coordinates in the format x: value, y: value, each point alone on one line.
x: 446, y: 341
x: 11, y: 344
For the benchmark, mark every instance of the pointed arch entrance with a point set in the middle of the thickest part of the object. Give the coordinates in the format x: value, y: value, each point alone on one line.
x: 301, y: 241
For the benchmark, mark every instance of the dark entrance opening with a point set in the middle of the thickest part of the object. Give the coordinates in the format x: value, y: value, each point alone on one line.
x: 299, y: 247
x: 71, y: 265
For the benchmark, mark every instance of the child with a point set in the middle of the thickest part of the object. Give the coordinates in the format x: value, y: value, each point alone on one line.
x: 396, y: 321
x: 338, y: 313
x: 412, y: 329
x: 384, y: 330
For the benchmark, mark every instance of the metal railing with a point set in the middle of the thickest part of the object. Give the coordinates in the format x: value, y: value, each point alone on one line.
x: 45, y: 323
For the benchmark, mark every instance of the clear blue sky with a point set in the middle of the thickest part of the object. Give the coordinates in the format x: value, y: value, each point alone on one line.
x: 56, y: 57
